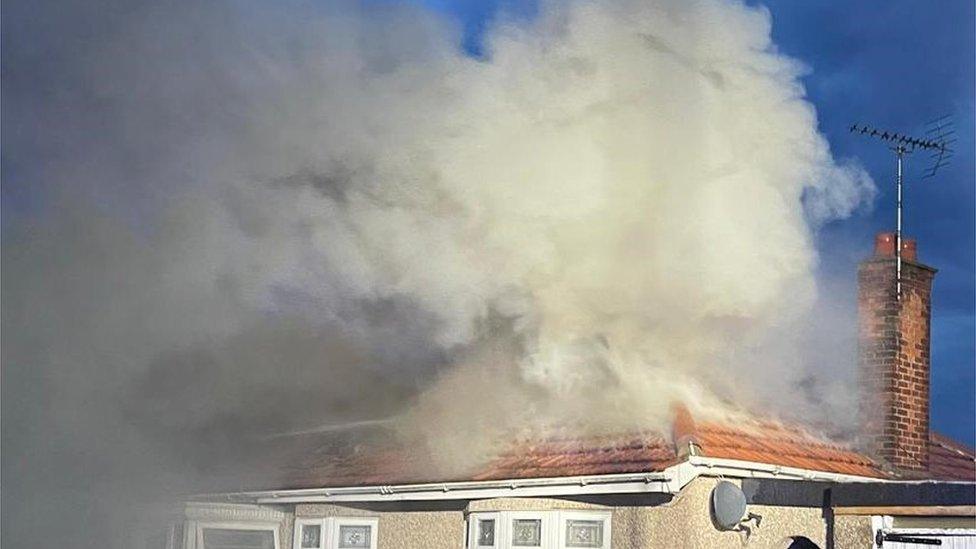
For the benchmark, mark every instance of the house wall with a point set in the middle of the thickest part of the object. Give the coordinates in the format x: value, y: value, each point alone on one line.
x: 852, y: 532
x: 684, y: 522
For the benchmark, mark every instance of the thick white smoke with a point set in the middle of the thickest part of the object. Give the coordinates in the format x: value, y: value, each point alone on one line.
x: 627, y: 191
x: 613, y: 210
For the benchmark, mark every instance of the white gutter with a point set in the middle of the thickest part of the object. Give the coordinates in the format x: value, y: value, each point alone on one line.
x: 708, y: 466
x: 668, y: 481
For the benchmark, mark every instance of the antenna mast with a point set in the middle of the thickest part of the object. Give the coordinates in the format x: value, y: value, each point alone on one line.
x: 937, y: 141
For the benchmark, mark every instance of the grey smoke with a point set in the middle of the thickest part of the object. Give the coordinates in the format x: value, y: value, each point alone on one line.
x: 222, y: 223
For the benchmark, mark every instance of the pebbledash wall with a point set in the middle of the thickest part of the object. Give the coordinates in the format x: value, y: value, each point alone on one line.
x: 683, y: 522
x: 686, y: 522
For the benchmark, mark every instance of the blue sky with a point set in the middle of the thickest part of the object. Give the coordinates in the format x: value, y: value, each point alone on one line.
x: 893, y: 64
x: 897, y: 65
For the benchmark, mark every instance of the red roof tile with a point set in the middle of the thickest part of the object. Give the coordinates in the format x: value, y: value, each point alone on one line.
x: 760, y: 442
x: 950, y: 460
x: 778, y: 444
x: 592, y: 456
x: 766, y: 443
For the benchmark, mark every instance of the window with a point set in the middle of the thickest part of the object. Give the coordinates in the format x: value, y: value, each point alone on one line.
x: 229, y: 535
x: 527, y: 532
x: 584, y: 533
x: 335, y: 533
x: 584, y: 529
x: 225, y: 538
x: 311, y: 535
x: 484, y: 531
x: 539, y: 529
x: 356, y: 534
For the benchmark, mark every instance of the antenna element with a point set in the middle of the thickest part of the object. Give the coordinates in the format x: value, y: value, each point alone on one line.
x: 937, y: 141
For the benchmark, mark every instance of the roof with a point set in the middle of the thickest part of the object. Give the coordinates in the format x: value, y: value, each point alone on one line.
x: 592, y: 456
x: 778, y: 444
x: 764, y: 442
x: 767, y: 442
x: 337, y: 460
x: 950, y: 460
x: 364, y: 465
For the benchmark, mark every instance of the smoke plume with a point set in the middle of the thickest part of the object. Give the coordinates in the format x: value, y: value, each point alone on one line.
x: 224, y: 221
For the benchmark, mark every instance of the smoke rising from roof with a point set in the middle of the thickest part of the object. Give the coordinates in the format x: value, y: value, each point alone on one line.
x: 241, y: 221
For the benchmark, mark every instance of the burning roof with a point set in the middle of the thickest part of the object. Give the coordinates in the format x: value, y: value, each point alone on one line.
x: 316, y: 461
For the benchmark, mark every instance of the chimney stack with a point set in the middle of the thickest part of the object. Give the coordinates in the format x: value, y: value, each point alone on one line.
x: 894, y: 355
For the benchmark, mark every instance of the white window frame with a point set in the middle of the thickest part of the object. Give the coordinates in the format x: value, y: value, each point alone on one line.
x: 329, y: 530
x: 230, y: 525
x: 565, y: 516
x: 553, y: 527
x: 323, y: 532
x: 339, y: 522
x: 545, y: 523
x: 473, y: 530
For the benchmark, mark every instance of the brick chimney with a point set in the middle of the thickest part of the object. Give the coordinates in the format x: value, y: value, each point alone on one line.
x: 894, y: 355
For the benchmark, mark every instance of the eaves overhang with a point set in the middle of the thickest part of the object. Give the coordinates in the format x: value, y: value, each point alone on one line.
x: 668, y: 481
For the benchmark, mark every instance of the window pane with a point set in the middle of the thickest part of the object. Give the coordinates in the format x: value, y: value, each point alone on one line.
x: 584, y: 533
x: 311, y: 535
x: 353, y: 537
x: 486, y: 533
x: 219, y: 538
x: 527, y: 532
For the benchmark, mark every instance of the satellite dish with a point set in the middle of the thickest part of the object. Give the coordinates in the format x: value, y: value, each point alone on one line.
x: 728, y: 505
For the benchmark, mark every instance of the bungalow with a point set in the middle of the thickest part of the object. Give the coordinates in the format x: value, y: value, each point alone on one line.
x: 758, y: 483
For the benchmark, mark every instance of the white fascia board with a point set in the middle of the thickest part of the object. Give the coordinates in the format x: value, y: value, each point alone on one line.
x: 706, y: 466
x: 447, y: 493
x: 668, y: 481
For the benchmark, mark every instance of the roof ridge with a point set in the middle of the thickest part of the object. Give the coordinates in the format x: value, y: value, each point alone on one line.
x: 684, y: 432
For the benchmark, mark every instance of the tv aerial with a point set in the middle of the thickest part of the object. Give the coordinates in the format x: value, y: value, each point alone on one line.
x: 937, y: 142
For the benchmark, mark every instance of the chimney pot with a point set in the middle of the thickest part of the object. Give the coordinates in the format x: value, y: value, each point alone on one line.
x: 884, y: 246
